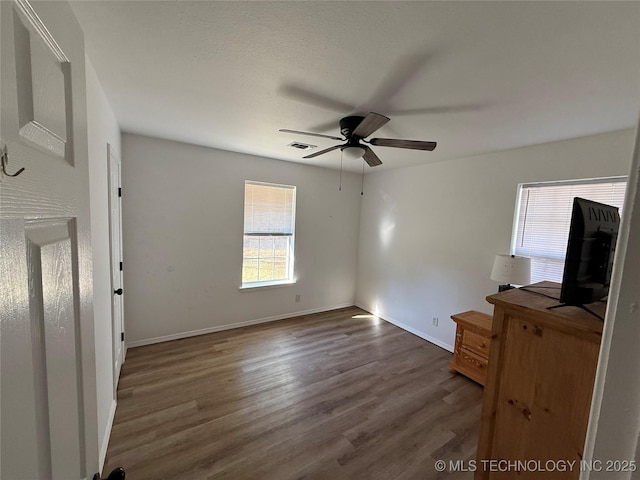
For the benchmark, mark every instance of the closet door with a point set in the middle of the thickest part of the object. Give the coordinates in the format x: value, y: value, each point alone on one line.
x: 48, y: 399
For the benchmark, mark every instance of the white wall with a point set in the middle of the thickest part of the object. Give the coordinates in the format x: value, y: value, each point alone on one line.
x: 182, y: 226
x: 429, y: 234
x: 102, y: 128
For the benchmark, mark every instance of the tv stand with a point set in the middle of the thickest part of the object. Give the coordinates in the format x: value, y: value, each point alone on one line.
x: 583, y: 307
x: 540, y: 380
x: 546, y: 285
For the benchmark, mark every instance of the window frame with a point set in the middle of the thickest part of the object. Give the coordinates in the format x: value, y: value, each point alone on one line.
x: 290, y: 280
x: 521, y: 189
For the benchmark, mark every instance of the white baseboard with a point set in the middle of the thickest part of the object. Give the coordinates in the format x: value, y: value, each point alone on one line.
x: 107, y: 435
x: 409, y: 329
x: 220, y: 328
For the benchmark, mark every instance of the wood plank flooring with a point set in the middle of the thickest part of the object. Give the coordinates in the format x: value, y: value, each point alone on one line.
x: 337, y: 395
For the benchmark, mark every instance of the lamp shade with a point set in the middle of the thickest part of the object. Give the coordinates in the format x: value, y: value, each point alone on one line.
x: 511, y: 269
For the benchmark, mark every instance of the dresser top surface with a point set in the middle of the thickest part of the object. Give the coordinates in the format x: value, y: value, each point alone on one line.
x: 472, y: 318
x: 537, y: 298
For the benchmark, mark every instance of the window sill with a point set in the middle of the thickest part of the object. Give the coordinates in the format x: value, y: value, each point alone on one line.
x: 261, y: 285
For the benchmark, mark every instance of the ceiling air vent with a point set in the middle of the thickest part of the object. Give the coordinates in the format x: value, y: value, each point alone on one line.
x: 301, y: 146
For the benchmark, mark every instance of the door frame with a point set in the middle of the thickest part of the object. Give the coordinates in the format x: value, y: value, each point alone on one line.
x: 115, y: 257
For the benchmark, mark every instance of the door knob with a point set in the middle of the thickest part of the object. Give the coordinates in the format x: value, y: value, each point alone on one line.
x: 118, y: 291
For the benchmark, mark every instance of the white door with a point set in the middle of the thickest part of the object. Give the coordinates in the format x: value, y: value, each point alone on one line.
x: 47, y: 396
x: 115, y: 231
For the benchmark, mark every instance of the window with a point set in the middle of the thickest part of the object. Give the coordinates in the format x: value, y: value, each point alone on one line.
x: 269, y: 224
x: 543, y: 215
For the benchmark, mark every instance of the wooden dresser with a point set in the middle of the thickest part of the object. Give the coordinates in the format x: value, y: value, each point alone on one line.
x: 540, y: 381
x: 471, y: 350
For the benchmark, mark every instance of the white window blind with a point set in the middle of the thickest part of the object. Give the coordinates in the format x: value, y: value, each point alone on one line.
x: 543, y: 219
x: 269, y: 224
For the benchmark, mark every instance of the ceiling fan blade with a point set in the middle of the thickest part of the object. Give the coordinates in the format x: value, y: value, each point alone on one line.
x: 311, y: 134
x: 322, y: 152
x: 326, y: 103
x: 403, y: 72
x: 370, y: 124
x: 325, y: 127
x: 471, y: 107
x: 398, y: 143
x: 371, y: 158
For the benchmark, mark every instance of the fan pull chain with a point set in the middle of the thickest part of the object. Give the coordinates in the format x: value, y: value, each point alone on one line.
x: 362, y: 187
x: 341, y: 156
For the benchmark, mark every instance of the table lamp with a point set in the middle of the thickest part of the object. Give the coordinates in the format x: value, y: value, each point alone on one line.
x: 508, y: 269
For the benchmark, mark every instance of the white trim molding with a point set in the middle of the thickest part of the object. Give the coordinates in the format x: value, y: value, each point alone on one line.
x: 230, y: 326
x: 417, y: 333
x: 107, y: 435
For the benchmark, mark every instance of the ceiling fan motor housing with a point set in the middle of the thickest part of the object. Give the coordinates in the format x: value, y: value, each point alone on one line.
x: 355, y: 128
x: 349, y: 124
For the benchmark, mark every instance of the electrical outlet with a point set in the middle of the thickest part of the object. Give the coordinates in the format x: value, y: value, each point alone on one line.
x: 435, y: 321
x: 297, y: 298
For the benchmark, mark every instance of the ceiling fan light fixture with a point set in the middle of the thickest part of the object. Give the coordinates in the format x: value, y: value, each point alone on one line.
x: 353, y: 153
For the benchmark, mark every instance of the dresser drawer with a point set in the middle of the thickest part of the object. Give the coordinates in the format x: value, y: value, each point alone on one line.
x: 474, y: 362
x: 470, y: 364
x: 476, y: 343
x: 471, y: 350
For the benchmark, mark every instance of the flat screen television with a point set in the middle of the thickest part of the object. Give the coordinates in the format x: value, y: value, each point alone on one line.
x: 590, y: 251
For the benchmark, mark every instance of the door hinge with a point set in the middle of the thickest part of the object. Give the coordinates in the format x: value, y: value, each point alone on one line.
x: 120, y: 266
x: 119, y: 191
x: 122, y: 336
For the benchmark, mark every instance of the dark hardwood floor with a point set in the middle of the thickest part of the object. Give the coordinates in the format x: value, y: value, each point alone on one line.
x: 336, y: 395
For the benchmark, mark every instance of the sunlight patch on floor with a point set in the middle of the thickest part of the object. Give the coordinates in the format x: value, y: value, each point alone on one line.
x: 375, y: 320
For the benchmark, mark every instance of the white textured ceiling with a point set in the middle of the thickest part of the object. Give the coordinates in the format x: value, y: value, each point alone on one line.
x: 474, y: 76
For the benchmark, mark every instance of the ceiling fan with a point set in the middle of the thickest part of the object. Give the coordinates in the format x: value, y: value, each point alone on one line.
x: 355, y: 129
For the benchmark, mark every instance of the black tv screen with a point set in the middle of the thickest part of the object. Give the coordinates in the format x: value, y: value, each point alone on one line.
x: 590, y: 251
